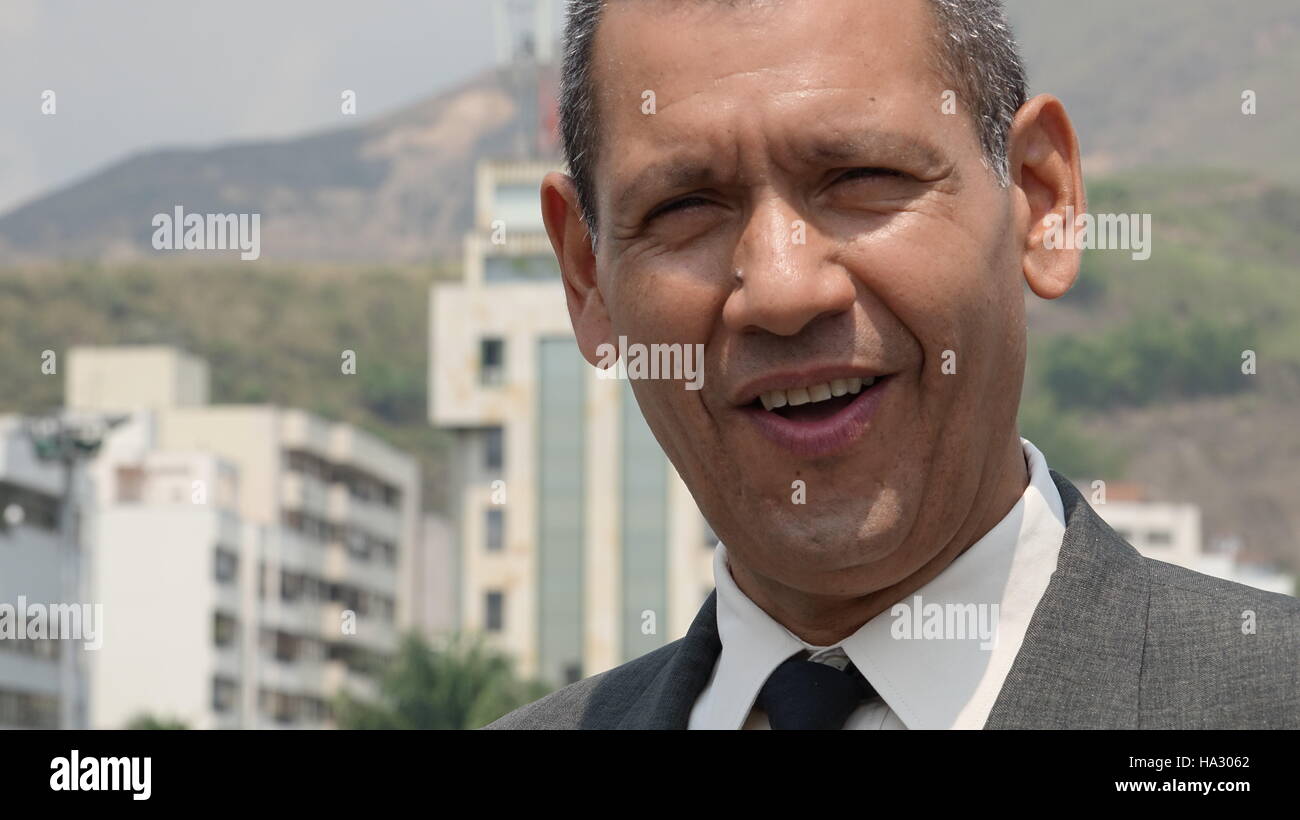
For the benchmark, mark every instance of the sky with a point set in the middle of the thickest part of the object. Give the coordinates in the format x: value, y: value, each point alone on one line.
x: 134, y: 75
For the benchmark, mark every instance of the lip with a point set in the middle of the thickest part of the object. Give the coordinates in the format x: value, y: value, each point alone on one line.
x: 784, y: 380
x: 823, y: 437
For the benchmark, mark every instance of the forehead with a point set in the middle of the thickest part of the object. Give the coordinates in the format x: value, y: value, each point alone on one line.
x: 713, y: 66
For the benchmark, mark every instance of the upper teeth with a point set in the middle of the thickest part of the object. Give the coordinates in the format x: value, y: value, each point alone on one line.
x: 794, y: 397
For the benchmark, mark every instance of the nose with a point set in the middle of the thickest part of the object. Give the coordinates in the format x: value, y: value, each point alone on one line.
x: 786, y: 283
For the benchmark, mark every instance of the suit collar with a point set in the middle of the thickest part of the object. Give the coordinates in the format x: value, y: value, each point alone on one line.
x: 666, y: 703
x: 1078, y: 667
x: 1081, y: 660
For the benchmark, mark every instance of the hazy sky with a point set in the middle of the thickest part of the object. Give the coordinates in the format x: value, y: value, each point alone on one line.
x: 133, y: 75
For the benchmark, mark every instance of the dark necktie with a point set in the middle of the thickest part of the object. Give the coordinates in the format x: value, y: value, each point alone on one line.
x: 804, y: 694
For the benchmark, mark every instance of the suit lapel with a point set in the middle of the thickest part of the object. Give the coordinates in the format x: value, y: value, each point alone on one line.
x: 1081, y: 659
x: 1078, y: 667
x: 666, y: 702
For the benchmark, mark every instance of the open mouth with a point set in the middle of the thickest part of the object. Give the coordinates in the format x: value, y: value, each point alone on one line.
x: 814, y: 402
x: 819, y: 419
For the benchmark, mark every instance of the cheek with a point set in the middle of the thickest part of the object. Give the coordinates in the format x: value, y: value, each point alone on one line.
x: 954, y: 287
x: 658, y: 305
x: 664, y: 303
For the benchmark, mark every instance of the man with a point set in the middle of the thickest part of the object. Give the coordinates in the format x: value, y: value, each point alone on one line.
x: 840, y: 199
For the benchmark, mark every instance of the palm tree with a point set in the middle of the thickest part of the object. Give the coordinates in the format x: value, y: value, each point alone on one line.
x: 461, y: 685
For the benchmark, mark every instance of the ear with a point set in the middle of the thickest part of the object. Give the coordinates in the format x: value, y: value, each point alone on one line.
x: 572, y: 245
x: 1043, y: 153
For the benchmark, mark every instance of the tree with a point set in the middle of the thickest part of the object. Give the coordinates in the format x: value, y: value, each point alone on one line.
x: 148, y: 722
x: 461, y: 685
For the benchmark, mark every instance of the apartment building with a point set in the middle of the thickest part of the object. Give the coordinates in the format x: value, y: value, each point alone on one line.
x: 285, y: 582
x: 32, y: 565
x: 579, y: 545
x: 166, y: 547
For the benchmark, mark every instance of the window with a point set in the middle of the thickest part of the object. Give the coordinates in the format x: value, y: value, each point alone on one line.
x: 357, y: 544
x: 130, y: 485
x: 224, y: 629
x: 494, y: 617
x: 227, y: 565
x: 32, y: 509
x: 496, y: 527
x: 224, y: 693
x: 28, y: 711
x: 292, y: 586
x: 514, y: 268
x: 492, y: 361
x: 286, y: 647
x: 494, y: 449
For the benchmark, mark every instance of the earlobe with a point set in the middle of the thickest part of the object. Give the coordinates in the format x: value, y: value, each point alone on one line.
x: 572, y: 246
x: 1043, y: 152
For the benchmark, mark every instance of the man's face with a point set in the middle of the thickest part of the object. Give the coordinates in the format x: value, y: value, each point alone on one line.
x: 806, y: 144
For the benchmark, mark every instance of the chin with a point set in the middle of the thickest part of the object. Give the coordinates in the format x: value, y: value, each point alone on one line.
x: 828, y: 548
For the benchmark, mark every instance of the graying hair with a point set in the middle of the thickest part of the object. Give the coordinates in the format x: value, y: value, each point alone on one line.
x: 976, y: 52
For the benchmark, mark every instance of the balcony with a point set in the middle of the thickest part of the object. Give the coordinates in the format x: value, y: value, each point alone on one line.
x: 370, y: 631
x: 298, y: 676
x: 303, y: 492
x: 299, y: 553
x: 374, y: 518
x: 300, y: 617
x: 341, y: 566
x: 226, y: 662
x: 339, y: 678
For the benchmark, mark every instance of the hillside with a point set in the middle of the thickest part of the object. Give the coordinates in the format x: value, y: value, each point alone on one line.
x: 1135, y: 374
x: 397, y: 189
x: 1157, y: 83
x: 270, y: 336
x: 1160, y: 81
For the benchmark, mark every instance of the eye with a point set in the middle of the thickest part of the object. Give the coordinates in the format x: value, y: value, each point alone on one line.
x: 868, y: 173
x: 683, y: 204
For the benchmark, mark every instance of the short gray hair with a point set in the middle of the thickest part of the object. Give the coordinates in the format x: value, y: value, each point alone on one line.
x: 976, y: 52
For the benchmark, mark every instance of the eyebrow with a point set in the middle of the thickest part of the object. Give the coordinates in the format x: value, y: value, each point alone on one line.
x: 849, y: 147
x: 685, y: 170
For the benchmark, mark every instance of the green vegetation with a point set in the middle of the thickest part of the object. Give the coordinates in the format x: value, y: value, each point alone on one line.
x: 270, y: 336
x: 150, y: 723
x: 1058, y: 434
x: 1147, y: 360
x: 1220, y: 281
x: 460, y: 685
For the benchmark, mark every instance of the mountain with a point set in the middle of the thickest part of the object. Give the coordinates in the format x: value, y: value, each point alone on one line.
x: 1158, y: 82
x: 1161, y: 81
x: 400, y: 188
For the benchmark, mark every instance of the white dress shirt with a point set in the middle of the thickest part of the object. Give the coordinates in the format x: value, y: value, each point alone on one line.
x: 943, y: 681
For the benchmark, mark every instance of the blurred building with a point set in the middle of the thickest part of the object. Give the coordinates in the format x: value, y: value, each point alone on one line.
x: 166, y: 547
x: 436, y: 601
x: 1171, y: 532
x: 32, y: 558
x: 252, y: 560
x: 579, y: 546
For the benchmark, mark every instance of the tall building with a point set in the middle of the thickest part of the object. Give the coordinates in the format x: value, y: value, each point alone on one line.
x: 32, y: 563
x: 579, y: 545
x: 252, y: 560
x: 166, y: 549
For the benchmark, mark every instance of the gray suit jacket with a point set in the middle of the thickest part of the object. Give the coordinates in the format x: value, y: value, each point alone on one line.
x: 1118, y: 642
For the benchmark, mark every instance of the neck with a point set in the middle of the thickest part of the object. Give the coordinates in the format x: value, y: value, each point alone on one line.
x: 824, y: 621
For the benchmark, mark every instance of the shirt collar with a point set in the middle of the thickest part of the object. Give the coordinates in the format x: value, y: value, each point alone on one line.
x: 928, y: 683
